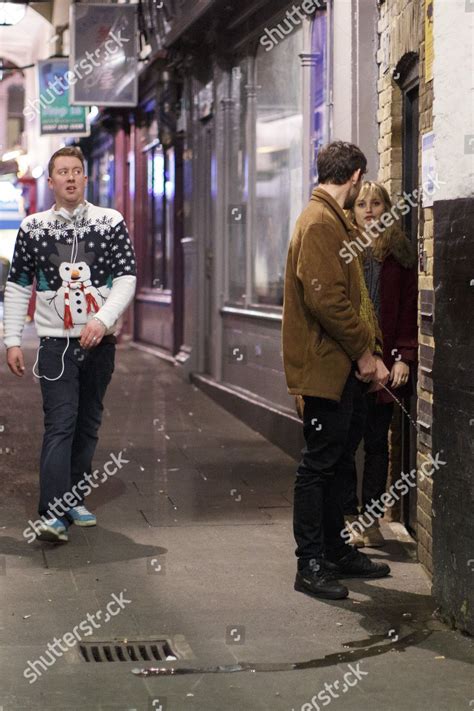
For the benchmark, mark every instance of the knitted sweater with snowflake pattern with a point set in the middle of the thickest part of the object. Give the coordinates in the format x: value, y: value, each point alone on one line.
x: 84, y: 264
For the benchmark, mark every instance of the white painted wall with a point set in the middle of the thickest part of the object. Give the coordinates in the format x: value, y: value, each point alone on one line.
x: 342, y: 71
x: 453, y: 107
x: 365, y: 97
x: 355, y: 77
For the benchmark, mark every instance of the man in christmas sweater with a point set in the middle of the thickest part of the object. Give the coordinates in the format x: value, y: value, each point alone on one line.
x: 84, y: 265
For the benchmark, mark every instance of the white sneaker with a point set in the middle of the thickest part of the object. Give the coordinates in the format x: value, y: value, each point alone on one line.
x: 356, y: 538
x: 373, y: 536
x: 81, y: 516
x: 52, y: 530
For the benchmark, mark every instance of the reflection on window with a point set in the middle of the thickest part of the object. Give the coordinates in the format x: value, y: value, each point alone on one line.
x: 237, y: 185
x: 278, y: 199
x: 157, y: 166
x: 102, y: 184
x: 318, y: 90
x: 169, y: 208
x: 160, y: 182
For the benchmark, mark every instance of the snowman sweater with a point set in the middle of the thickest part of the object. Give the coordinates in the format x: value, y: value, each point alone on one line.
x: 84, y: 266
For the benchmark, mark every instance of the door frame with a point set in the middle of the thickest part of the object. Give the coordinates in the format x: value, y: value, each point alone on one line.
x: 409, y: 83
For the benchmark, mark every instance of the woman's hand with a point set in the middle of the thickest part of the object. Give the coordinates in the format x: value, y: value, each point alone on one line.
x: 399, y: 374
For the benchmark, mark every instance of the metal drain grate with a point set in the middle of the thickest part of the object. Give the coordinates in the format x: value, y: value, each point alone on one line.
x: 145, y: 651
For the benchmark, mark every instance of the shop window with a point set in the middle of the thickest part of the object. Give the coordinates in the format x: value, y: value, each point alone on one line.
x: 237, y: 196
x: 318, y: 91
x: 279, y: 175
x: 107, y: 180
x: 169, y: 185
x: 102, y: 179
x: 264, y: 138
x: 160, y: 176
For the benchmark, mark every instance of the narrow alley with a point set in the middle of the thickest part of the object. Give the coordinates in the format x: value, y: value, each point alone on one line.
x: 236, y: 388
x: 196, y: 528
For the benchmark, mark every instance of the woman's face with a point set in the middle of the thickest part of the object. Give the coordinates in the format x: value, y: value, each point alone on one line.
x: 368, y: 208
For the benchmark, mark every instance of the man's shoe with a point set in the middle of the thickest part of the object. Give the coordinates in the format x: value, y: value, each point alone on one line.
x: 52, y: 530
x: 373, y: 537
x: 320, y: 581
x: 356, y: 538
x: 81, y: 516
x: 357, y: 565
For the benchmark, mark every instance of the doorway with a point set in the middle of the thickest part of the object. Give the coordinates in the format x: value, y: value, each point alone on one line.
x: 409, y: 84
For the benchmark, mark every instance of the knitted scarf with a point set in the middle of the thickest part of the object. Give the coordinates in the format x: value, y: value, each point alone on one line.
x: 90, y: 301
x: 366, y: 312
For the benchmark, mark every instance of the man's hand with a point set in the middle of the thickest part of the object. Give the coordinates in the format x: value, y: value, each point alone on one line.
x: 367, y: 367
x: 399, y: 374
x: 381, y: 376
x: 92, y: 333
x: 15, y: 361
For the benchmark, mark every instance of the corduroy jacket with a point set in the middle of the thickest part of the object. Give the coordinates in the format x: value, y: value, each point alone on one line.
x: 322, y: 332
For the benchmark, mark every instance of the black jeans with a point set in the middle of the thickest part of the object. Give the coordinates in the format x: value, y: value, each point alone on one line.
x: 372, y: 423
x: 72, y: 408
x: 318, y: 517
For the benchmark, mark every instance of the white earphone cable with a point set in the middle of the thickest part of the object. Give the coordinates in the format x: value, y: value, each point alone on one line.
x: 74, y: 252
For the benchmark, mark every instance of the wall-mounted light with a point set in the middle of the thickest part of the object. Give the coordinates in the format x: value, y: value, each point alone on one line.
x: 12, y: 13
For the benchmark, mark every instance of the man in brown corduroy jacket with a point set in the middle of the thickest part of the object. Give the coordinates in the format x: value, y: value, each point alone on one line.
x: 330, y: 349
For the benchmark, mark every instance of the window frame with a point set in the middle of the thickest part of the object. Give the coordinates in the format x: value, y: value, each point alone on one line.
x: 249, y: 303
x: 164, y: 285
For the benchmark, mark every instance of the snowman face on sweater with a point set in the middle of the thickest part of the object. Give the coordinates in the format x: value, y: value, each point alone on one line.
x: 74, y: 271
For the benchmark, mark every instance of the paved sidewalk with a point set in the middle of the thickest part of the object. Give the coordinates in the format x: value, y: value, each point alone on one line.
x: 196, y: 528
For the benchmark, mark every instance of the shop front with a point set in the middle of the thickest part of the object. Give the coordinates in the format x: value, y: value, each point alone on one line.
x: 255, y: 118
x: 156, y: 161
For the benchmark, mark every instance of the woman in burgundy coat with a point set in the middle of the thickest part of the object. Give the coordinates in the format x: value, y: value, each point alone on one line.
x: 390, y: 272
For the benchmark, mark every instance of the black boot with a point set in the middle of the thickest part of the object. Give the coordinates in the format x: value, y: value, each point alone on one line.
x: 318, y: 580
x: 357, y: 565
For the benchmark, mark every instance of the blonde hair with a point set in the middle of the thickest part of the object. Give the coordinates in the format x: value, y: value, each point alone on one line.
x: 382, y: 245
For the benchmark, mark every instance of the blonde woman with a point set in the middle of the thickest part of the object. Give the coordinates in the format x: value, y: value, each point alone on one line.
x: 390, y: 273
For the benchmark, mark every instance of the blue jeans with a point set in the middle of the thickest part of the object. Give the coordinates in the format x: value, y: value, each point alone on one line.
x: 73, y: 409
x: 318, y: 517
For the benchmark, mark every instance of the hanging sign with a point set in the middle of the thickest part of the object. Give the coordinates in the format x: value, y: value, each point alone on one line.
x: 104, y: 54
x: 57, y: 116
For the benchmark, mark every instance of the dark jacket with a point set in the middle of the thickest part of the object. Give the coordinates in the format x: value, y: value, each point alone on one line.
x: 322, y: 332
x: 398, y: 312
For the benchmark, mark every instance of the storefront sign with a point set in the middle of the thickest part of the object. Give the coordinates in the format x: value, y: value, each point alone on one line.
x: 103, y: 57
x: 57, y: 116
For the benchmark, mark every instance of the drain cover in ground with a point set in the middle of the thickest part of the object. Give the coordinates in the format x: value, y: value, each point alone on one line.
x: 131, y: 651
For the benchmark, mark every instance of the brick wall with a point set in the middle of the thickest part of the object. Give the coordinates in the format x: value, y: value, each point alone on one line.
x: 401, y: 31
